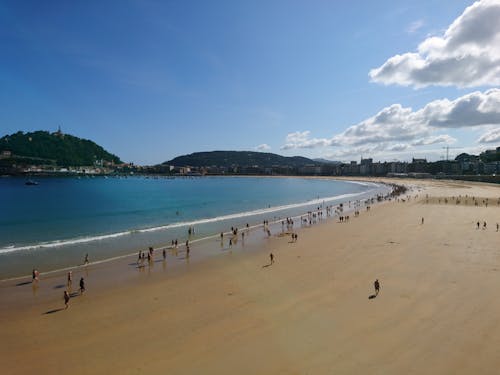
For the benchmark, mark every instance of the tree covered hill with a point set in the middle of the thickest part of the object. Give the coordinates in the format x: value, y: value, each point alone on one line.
x: 238, y: 158
x: 57, y: 148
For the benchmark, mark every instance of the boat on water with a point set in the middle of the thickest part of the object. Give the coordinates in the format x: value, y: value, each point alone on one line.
x: 31, y: 182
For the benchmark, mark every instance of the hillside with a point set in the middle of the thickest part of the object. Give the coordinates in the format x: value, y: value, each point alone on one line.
x: 54, y: 148
x: 239, y: 158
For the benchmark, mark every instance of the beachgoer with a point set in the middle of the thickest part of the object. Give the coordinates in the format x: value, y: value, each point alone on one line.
x: 376, y: 284
x: 477, y: 225
x: 271, y: 256
x: 230, y: 243
x: 35, y: 275
x: 86, y: 261
x: 484, y: 225
x: 66, y: 299
x: 164, y: 254
x: 422, y: 221
x: 497, y: 227
x: 82, y: 286
x: 70, y: 278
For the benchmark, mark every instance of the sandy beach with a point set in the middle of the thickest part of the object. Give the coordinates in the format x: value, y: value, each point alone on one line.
x: 308, y: 313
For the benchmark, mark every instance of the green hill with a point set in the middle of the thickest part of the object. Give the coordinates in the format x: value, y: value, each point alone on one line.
x: 239, y: 158
x: 54, y: 148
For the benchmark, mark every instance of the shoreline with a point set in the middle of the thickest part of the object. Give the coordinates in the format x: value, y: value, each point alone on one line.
x: 274, y: 224
x: 272, y: 212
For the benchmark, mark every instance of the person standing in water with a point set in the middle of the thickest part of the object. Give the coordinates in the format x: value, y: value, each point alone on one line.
x: 35, y: 275
x: 82, y: 286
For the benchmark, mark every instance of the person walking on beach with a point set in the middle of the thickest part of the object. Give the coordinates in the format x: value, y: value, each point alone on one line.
x: 271, y: 257
x: 164, y: 254
x: 82, y: 286
x: 497, y: 227
x: 70, y: 278
x: 376, y: 284
x: 422, y: 221
x: 66, y: 299
x: 86, y: 261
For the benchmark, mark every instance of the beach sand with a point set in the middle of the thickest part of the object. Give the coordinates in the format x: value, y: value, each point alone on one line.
x: 308, y: 313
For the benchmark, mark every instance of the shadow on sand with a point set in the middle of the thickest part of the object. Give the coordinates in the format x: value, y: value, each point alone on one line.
x: 24, y: 283
x: 53, y: 311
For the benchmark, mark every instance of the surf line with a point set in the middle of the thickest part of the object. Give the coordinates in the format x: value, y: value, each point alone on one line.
x: 74, y: 241
x: 161, y: 247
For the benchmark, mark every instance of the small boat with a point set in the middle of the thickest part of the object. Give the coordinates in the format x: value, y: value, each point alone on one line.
x: 31, y: 182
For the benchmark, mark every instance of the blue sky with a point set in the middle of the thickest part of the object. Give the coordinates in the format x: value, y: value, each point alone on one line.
x: 151, y: 80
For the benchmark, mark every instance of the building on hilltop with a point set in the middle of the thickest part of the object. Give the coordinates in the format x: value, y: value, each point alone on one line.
x: 58, y: 133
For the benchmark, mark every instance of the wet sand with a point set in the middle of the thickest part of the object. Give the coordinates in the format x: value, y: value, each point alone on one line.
x: 309, y: 312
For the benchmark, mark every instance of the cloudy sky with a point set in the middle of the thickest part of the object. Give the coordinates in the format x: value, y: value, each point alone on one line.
x: 150, y: 80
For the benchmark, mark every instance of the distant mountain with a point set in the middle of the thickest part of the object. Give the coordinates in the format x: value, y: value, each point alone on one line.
x: 326, y: 161
x: 55, y: 148
x: 238, y: 158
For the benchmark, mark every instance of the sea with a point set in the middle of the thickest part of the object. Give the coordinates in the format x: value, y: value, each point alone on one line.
x: 53, y: 224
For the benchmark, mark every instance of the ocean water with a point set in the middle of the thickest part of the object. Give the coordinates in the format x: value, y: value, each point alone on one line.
x: 54, y: 224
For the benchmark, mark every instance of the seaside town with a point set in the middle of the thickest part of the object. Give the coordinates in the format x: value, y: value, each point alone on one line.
x: 482, y: 167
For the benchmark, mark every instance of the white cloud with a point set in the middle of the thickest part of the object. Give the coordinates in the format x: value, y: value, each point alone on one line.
x: 398, y: 128
x: 301, y: 140
x: 443, y: 138
x: 398, y: 147
x: 263, y: 147
x: 467, y: 55
x: 414, y: 26
x: 476, y: 108
x: 491, y: 136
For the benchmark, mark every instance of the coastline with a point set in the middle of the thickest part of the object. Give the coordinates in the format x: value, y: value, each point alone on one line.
x: 307, y: 313
x: 141, y: 235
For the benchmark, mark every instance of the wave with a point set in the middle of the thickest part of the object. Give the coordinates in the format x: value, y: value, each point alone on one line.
x: 268, y: 210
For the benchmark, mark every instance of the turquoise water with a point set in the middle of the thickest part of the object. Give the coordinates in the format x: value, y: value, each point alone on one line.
x: 58, y: 221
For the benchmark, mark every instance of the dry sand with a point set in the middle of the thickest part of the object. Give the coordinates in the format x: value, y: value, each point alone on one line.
x: 309, y: 313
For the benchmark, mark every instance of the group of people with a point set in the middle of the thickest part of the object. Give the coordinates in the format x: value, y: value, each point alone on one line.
x: 69, y: 283
x: 67, y: 295
x: 485, y: 225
